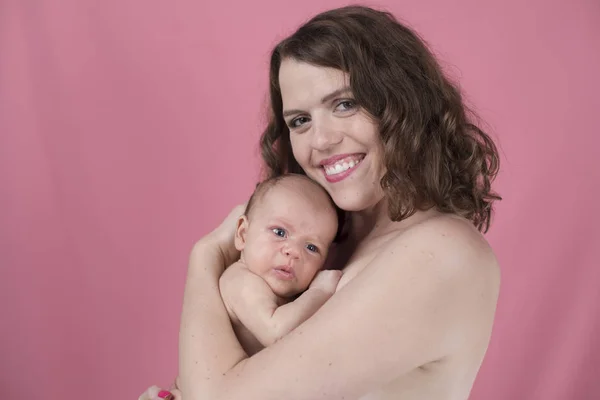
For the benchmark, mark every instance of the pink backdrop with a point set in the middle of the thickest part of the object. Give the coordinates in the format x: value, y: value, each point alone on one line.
x: 129, y: 128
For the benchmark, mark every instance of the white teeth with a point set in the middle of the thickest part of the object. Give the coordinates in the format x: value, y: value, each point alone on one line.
x: 341, y: 167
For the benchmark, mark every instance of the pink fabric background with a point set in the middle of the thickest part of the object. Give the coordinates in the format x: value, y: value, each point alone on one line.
x: 128, y: 129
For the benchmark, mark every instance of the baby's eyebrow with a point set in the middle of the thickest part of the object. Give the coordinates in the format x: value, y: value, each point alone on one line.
x: 278, y: 221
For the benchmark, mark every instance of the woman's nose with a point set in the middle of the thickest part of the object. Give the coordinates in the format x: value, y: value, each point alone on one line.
x: 325, y: 134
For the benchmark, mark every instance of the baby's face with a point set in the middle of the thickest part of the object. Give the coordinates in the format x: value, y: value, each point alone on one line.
x: 287, y: 235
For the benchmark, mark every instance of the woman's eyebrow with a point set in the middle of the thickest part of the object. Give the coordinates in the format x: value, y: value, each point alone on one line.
x: 335, y: 93
x: 325, y: 99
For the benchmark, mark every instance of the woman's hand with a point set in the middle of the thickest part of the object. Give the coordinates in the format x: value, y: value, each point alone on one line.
x: 226, y: 230
x: 223, y: 235
x: 156, y: 393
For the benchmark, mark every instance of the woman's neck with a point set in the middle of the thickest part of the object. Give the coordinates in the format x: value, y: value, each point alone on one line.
x: 375, y: 221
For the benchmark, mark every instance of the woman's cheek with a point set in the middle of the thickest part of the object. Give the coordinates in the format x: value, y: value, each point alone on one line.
x: 300, y: 149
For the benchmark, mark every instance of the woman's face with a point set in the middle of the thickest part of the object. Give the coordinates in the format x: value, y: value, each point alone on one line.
x: 334, y: 141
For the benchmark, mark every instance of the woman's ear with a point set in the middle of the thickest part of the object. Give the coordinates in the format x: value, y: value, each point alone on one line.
x: 240, y: 233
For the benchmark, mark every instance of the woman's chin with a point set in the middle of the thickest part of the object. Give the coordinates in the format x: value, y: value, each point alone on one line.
x: 355, y: 202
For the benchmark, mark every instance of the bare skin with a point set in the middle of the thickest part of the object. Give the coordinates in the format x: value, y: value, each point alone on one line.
x: 291, y: 226
x: 259, y: 316
x: 453, y: 366
x: 413, y: 312
x: 425, y: 291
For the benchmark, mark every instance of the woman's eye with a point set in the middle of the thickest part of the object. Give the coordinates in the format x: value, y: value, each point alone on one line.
x: 312, y: 248
x: 279, y: 232
x: 297, y: 122
x: 345, y: 105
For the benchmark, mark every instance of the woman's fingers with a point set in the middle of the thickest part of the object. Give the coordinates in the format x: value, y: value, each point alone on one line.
x: 156, y: 393
x: 150, y: 394
x: 175, y: 384
x: 167, y: 395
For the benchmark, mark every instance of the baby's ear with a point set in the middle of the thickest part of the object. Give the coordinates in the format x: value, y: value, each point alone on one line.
x: 240, y: 233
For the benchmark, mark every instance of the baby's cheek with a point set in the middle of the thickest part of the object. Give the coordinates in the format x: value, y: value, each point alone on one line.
x: 313, y: 270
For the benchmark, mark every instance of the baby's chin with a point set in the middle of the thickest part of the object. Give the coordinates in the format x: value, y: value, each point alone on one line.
x: 288, y: 294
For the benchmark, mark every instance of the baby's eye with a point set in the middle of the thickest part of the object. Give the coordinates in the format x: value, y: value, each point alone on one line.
x: 279, y: 232
x: 312, y: 248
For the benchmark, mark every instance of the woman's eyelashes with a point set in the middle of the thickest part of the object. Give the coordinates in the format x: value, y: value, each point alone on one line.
x: 298, y: 122
x: 345, y: 105
x: 340, y: 106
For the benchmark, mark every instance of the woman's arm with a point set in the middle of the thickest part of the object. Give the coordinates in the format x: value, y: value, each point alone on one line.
x: 205, y: 324
x: 414, y: 302
x: 203, y: 306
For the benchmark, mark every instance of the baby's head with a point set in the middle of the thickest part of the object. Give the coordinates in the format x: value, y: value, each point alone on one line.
x: 286, y: 231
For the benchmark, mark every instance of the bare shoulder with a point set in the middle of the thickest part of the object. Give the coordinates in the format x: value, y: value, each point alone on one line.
x: 240, y: 288
x: 453, y: 242
x: 240, y: 281
x: 235, y: 273
x: 454, y: 257
x: 427, y: 295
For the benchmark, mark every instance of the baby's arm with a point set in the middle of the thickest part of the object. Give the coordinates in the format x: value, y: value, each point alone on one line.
x: 255, y: 305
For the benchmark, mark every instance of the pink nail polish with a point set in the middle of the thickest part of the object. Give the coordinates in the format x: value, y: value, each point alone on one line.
x: 163, y: 394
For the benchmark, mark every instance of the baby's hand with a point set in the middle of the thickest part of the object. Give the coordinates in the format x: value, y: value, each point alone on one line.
x: 326, y: 281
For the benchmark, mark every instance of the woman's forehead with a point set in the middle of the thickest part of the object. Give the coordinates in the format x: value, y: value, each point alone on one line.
x: 303, y: 83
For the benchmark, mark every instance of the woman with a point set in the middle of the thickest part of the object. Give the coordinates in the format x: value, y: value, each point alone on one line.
x: 361, y: 106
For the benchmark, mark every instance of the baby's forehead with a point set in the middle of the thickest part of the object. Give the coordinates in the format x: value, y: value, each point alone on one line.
x: 301, y: 191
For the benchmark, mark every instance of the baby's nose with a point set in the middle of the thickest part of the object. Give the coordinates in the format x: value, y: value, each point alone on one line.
x: 291, y: 251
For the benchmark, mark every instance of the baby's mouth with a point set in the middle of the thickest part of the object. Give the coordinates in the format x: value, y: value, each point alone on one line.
x: 284, y: 272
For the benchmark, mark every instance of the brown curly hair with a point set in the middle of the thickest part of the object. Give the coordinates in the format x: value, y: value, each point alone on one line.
x: 434, y: 154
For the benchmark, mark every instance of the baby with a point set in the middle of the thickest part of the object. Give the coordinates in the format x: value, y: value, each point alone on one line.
x: 284, y: 237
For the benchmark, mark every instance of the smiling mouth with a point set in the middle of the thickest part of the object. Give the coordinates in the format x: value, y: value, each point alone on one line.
x: 344, y: 165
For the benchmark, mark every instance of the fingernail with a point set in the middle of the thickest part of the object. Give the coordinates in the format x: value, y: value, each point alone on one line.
x: 164, y: 394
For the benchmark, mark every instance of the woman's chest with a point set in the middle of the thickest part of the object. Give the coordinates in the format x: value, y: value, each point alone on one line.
x: 357, y: 261
x: 351, y: 271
